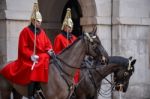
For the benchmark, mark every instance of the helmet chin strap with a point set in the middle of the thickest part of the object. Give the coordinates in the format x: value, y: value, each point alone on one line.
x: 67, y: 37
x: 34, y: 48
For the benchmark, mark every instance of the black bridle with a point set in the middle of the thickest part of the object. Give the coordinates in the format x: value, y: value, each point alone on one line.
x: 98, y: 51
x: 113, y: 84
x: 91, y: 77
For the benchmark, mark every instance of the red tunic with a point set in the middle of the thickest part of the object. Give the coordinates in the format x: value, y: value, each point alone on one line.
x: 60, y: 43
x: 19, y: 71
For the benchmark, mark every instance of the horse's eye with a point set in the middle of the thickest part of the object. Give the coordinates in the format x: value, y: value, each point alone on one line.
x: 94, y: 46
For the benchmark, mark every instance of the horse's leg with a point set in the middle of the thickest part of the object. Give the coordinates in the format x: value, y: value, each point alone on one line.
x: 5, y: 94
x: 16, y: 95
x: 5, y: 89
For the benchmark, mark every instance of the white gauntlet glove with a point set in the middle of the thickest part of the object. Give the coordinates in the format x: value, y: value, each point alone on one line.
x: 52, y: 53
x: 34, y: 58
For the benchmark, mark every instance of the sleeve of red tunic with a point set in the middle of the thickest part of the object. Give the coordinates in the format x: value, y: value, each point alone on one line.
x: 24, y: 44
x: 57, y: 45
x: 74, y: 37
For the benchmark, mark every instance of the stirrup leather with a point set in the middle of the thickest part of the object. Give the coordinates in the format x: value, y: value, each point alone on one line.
x: 40, y: 94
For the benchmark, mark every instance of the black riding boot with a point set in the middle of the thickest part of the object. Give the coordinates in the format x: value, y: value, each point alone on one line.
x: 73, y: 96
x: 31, y: 90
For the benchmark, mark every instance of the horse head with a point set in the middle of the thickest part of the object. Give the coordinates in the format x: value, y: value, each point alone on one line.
x: 95, y: 48
x: 123, y: 74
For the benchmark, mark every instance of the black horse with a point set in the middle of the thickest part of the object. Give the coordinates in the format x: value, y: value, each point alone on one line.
x: 91, y: 78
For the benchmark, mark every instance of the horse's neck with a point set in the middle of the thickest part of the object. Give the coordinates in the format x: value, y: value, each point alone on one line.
x: 108, y: 69
x: 73, y: 56
x: 98, y: 75
x: 115, y: 63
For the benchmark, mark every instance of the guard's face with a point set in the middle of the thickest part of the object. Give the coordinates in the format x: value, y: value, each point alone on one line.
x: 68, y: 29
x: 37, y: 23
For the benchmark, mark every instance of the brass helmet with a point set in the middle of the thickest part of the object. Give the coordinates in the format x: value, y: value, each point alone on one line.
x: 67, y: 20
x: 35, y: 13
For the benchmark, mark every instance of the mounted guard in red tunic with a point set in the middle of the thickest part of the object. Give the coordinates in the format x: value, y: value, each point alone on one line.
x: 65, y: 38
x: 32, y: 64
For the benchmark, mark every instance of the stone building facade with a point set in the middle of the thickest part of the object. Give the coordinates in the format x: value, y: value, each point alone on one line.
x: 123, y: 27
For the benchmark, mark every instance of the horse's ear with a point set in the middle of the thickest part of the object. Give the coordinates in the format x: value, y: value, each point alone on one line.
x: 133, y: 62
x: 94, y: 30
x: 130, y: 58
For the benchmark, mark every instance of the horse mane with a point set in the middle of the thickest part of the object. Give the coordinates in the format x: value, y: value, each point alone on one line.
x: 122, y: 61
x: 70, y: 45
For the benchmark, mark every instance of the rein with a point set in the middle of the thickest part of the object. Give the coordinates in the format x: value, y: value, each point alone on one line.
x: 94, y: 82
x: 104, y: 77
x: 111, y: 88
x: 91, y: 78
x: 58, y: 65
x: 84, y: 67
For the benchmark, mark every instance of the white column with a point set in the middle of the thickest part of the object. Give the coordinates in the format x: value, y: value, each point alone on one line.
x: 14, y: 16
x: 130, y: 38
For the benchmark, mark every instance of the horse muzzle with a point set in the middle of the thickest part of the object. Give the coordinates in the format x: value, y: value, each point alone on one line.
x: 120, y: 87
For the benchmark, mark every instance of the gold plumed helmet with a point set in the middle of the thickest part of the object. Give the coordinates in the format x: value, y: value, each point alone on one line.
x: 35, y: 13
x: 67, y: 20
